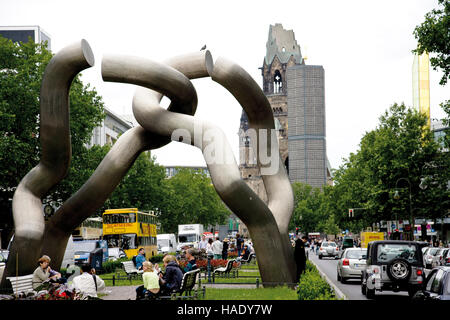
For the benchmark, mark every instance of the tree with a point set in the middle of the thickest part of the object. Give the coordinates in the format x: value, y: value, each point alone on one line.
x: 307, y: 204
x: 22, y: 66
x: 191, y: 198
x: 143, y: 187
x: 433, y: 37
x: 394, y: 156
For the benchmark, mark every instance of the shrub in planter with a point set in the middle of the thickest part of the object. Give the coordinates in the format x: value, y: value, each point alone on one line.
x: 313, y: 287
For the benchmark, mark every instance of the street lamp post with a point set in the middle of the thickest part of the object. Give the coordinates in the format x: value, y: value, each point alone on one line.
x: 411, y: 218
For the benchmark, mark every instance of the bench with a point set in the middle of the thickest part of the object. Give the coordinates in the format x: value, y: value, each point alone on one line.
x: 186, y: 288
x: 130, y: 269
x: 249, y: 259
x: 224, y: 270
x: 22, y: 284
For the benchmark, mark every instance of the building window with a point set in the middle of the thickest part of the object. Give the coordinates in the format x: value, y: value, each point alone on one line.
x: 277, y: 82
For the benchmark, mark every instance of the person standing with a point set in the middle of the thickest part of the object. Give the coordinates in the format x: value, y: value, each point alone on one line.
x: 239, y: 243
x: 209, y: 250
x: 202, y: 244
x: 217, y: 248
x: 225, y: 249
x: 300, y: 256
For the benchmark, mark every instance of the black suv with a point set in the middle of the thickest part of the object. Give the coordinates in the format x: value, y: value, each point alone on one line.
x: 392, y: 265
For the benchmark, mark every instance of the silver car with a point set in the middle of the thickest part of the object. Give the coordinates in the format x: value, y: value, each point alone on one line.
x: 430, y: 257
x: 442, y: 255
x: 328, y: 249
x: 351, y: 264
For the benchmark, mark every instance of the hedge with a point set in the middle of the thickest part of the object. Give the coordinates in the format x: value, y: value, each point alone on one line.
x: 313, y: 287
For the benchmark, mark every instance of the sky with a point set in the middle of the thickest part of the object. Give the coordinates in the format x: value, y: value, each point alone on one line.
x: 364, y: 47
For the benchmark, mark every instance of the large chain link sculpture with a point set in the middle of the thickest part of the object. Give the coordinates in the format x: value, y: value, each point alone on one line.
x: 267, y: 223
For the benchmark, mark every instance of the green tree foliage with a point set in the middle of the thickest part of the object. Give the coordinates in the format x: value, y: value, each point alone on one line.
x: 143, y: 187
x: 433, y: 36
x: 397, y: 154
x: 191, y: 199
x: 307, y: 207
x: 21, y: 69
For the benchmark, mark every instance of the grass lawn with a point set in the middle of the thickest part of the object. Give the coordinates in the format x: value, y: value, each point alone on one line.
x: 278, y: 293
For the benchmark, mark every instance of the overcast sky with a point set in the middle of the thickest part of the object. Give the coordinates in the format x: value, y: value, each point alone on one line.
x: 364, y: 47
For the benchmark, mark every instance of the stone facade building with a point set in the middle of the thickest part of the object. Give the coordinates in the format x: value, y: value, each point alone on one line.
x: 297, y: 96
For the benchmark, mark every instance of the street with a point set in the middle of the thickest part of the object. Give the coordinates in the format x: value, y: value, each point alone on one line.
x: 352, y: 288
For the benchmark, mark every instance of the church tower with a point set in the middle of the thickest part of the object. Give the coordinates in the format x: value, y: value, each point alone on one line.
x: 296, y: 94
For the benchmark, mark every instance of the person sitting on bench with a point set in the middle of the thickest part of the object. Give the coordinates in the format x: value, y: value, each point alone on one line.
x: 191, y: 265
x: 151, y: 282
x: 171, y: 280
x: 244, y: 254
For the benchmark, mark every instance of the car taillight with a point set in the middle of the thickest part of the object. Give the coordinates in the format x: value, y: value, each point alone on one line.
x: 321, y: 249
x: 376, y: 270
x: 448, y: 260
x: 337, y: 249
x: 345, y: 262
x: 419, y: 272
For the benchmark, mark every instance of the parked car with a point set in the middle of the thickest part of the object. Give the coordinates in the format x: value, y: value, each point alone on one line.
x: 3, y: 258
x: 446, y: 258
x: 430, y: 258
x: 328, y: 249
x: 84, y: 248
x: 436, y: 286
x: 347, y: 242
x: 116, y: 253
x: 442, y: 254
x: 4, y: 255
x: 351, y: 264
x: 394, y: 265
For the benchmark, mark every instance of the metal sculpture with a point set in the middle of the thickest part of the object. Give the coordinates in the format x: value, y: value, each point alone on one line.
x: 267, y: 224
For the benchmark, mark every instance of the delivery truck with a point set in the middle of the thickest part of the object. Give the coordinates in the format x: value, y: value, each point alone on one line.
x: 367, y: 237
x: 189, y: 235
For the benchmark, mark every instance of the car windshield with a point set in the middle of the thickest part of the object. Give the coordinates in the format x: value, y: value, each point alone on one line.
x: 4, y: 256
x: 356, y: 254
x: 332, y: 244
x: 325, y: 244
x: 163, y: 242
x: 80, y: 253
x: 84, y: 246
x: 433, y: 251
x: 387, y: 252
x: 186, y: 238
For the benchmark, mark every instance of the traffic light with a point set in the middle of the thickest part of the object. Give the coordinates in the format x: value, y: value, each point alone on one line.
x: 350, y: 213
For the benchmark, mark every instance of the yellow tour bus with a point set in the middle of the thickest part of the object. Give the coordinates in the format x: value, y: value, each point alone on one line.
x: 89, y: 229
x: 129, y: 230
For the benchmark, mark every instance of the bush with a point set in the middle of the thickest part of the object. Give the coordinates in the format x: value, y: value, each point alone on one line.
x: 313, y: 287
x: 157, y: 258
x: 111, y: 266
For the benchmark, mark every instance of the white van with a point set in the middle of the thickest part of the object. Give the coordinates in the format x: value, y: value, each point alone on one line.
x: 69, y: 254
x: 166, y: 243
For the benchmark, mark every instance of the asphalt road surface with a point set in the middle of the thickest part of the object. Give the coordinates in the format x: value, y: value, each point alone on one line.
x: 352, y: 287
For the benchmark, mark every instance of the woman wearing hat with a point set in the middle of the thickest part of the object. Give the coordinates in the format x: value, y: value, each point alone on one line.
x: 225, y: 249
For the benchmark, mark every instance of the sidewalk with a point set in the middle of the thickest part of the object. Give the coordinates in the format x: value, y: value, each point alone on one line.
x: 129, y: 292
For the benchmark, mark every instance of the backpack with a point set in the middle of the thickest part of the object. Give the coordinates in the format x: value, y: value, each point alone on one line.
x: 134, y: 260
